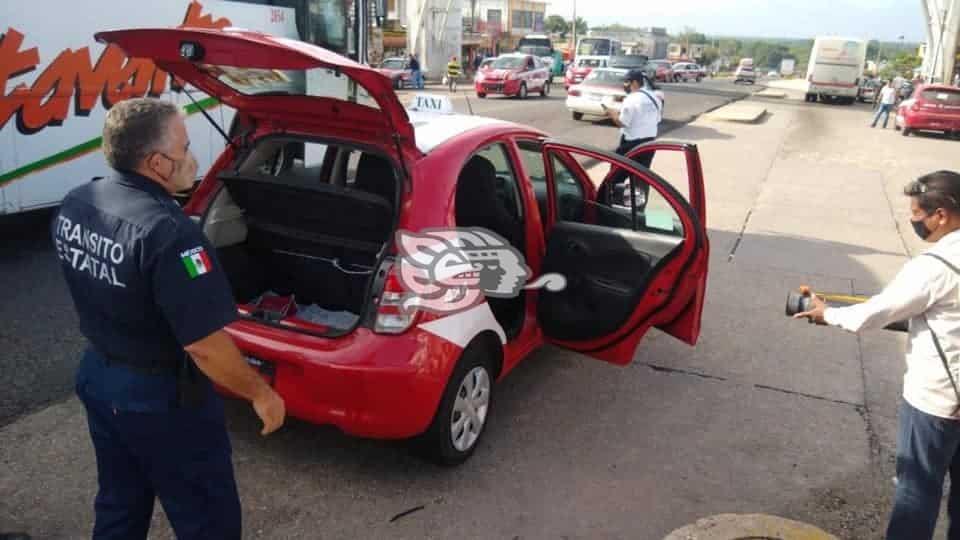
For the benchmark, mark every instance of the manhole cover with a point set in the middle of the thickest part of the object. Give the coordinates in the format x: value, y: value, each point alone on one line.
x: 748, y: 527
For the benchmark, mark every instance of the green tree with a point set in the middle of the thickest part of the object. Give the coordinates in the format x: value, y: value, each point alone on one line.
x: 582, y: 27
x: 903, y: 65
x: 555, y: 24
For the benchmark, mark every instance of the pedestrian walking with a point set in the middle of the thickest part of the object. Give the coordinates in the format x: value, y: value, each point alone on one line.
x: 477, y: 60
x: 152, y: 302
x: 888, y: 98
x: 416, y: 73
x: 638, y: 119
x: 926, y: 292
x: 453, y: 73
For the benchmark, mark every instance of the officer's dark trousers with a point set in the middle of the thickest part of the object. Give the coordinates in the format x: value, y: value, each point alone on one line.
x: 645, y: 159
x: 181, y: 457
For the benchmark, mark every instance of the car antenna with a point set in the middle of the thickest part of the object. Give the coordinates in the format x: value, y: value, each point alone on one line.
x: 210, y: 118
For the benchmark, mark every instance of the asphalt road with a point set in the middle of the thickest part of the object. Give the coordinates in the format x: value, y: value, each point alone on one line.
x: 39, y: 339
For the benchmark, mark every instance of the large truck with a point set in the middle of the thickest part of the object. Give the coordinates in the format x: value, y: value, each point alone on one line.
x: 58, y: 83
x: 835, y: 69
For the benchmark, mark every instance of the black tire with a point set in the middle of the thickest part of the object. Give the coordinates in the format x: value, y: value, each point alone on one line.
x: 545, y: 91
x: 436, y: 443
x: 906, y: 131
x: 397, y: 84
x: 522, y: 93
x: 699, y: 79
x: 896, y: 127
x: 578, y: 116
x: 481, y: 95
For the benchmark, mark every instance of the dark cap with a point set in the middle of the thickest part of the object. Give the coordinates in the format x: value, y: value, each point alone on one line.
x: 635, y: 75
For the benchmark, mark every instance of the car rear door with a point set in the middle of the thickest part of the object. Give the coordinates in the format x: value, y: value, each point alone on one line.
x: 630, y: 261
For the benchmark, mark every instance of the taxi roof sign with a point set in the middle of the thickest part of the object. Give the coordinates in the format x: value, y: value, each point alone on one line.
x: 430, y: 103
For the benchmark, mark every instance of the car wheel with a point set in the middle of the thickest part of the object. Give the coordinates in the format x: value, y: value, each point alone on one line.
x: 896, y: 126
x: 481, y: 95
x: 699, y: 79
x: 522, y: 94
x: 578, y: 116
x: 905, y: 131
x: 545, y: 91
x: 463, y: 411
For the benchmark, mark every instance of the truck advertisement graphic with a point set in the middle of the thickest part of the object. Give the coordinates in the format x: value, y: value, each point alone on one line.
x: 57, y: 83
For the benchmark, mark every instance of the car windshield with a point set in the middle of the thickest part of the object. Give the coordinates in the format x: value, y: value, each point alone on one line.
x: 314, y: 82
x: 394, y: 63
x: 945, y: 96
x: 605, y: 76
x: 510, y: 62
x: 626, y: 62
x: 594, y: 47
x: 535, y: 50
x: 590, y: 63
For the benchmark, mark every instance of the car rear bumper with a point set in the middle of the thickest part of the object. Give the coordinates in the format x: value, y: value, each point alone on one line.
x: 366, y: 384
x: 583, y: 105
x: 928, y: 122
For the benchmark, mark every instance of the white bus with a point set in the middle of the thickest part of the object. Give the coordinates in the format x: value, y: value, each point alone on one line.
x: 835, y: 69
x: 60, y: 82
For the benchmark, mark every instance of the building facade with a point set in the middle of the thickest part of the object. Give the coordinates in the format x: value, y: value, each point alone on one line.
x: 942, y: 58
x: 525, y: 17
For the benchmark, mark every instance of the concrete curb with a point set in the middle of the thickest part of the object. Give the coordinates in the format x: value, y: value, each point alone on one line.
x: 739, y: 526
x: 738, y: 112
x: 771, y: 94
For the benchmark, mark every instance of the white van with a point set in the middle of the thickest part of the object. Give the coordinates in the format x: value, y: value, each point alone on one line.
x: 62, y: 83
x: 835, y: 69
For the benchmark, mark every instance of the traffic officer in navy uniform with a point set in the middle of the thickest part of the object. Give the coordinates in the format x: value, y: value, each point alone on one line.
x: 639, y: 121
x: 153, y: 302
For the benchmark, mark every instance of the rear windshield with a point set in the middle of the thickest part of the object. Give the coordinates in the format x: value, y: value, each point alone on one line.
x: 942, y: 95
x: 605, y: 76
x: 510, y: 62
x: 393, y: 64
x: 591, y: 63
x: 316, y: 82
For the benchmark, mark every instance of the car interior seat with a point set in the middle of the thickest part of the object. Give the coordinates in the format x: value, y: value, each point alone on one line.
x: 375, y: 175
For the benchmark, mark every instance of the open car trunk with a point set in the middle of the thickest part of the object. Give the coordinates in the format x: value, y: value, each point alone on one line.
x: 298, y: 251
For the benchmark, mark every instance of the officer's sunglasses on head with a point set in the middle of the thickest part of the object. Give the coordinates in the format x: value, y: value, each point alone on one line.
x: 916, y: 188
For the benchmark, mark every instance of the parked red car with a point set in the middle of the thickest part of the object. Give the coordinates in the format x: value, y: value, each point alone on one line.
x: 514, y: 75
x: 933, y: 107
x: 398, y: 71
x: 579, y: 69
x: 664, y: 70
x: 312, y: 210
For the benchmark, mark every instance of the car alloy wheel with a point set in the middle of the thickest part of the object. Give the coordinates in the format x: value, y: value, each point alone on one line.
x: 470, y: 409
x: 463, y: 410
x: 522, y: 94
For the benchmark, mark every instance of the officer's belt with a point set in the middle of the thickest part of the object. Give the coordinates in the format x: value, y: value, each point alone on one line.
x: 189, y: 378
x: 164, y: 367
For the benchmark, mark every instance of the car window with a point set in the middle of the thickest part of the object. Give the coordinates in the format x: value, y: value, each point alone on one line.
x: 942, y: 95
x: 291, y: 158
x: 507, y: 189
x: 570, y: 197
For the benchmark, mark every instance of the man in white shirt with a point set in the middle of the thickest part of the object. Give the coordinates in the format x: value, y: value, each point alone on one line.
x: 926, y: 292
x: 888, y: 98
x: 639, y: 121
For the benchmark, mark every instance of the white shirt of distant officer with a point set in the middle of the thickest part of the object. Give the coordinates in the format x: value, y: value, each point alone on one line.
x: 639, y: 116
x: 888, y: 95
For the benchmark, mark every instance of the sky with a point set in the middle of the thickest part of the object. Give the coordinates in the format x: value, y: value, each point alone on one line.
x: 868, y: 19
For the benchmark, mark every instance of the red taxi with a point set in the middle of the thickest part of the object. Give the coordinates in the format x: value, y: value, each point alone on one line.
x: 397, y: 70
x: 514, y: 75
x: 580, y: 68
x: 306, y: 205
x: 933, y: 107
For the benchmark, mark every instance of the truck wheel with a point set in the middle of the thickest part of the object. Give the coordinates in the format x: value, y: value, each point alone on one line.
x: 578, y: 116
x: 463, y: 411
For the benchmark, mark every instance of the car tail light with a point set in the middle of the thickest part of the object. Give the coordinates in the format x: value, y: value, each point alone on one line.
x: 573, y: 92
x: 392, y: 318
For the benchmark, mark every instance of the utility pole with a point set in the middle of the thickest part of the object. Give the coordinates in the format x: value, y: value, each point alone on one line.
x: 574, y: 47
x: 936, y: 58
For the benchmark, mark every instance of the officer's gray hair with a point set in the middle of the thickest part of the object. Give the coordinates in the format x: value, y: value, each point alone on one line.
x: 134, y: 129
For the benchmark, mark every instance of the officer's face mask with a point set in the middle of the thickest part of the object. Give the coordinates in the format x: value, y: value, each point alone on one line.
x: 182, y: 172
x: 920, y: 227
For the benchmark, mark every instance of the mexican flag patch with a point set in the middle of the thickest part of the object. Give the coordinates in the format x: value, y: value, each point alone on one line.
x: 196, y: 262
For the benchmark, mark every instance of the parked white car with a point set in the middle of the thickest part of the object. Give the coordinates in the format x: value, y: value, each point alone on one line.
x: 603, y: 87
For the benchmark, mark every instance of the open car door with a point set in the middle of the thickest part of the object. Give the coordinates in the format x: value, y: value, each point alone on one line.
x: 634, y: 252
x: 277, y: 80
